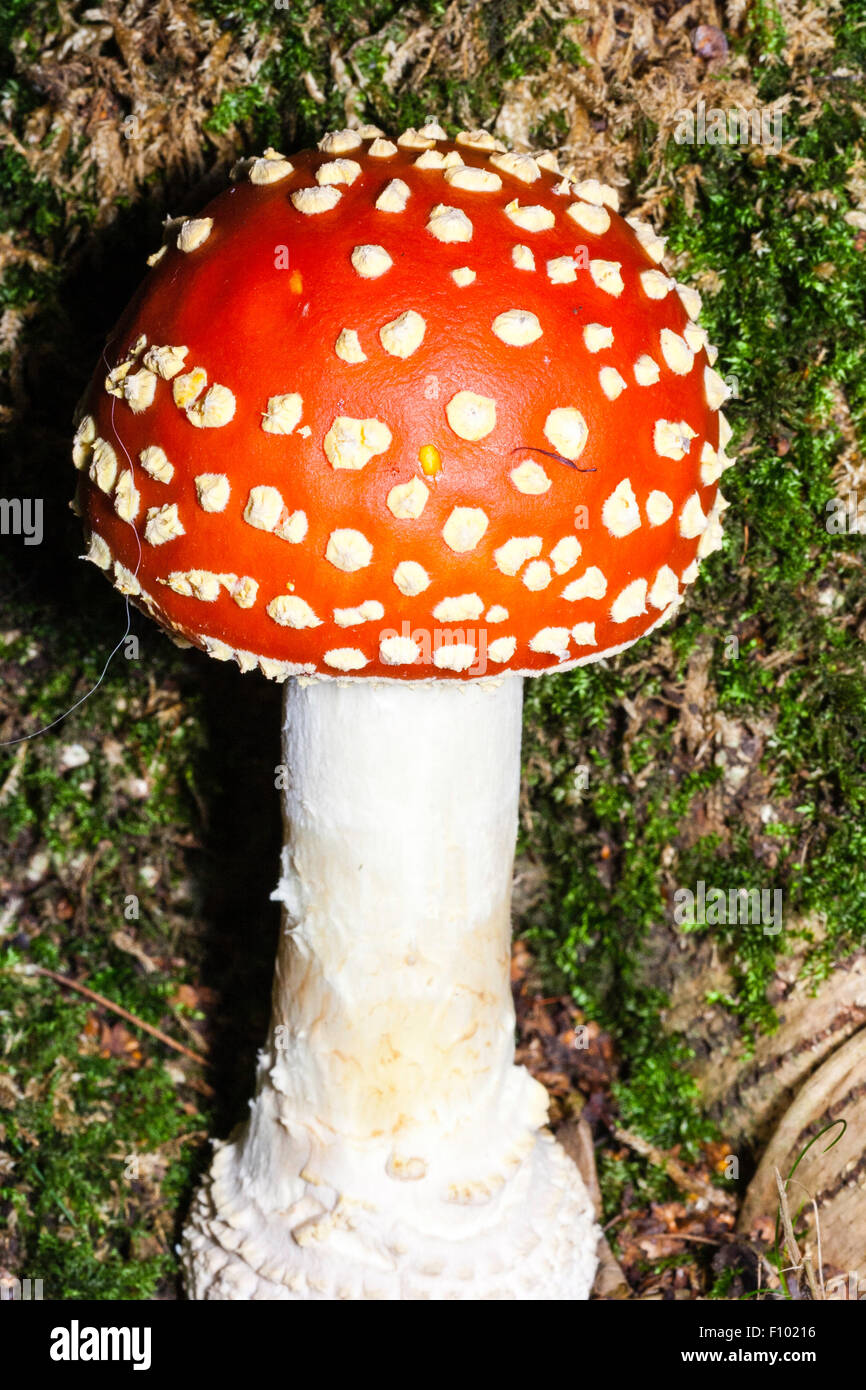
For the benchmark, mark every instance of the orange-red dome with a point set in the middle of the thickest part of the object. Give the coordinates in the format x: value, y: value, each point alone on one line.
x: 405, y: 410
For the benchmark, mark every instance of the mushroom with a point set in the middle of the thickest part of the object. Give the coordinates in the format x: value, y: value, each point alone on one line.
x: 400, y: 424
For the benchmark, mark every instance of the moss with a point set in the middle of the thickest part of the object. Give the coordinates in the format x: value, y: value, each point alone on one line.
x: 27, y: 201
x: 279, y: 105
x: 79, y: 1211
x: 590, y: 929
x: 644, y: 1183
x: 236, y: 106
x: 82, y: 1222
x: 765, y: 30
x: 788, y: 322
x: 22, y: 23
x: 792, y: 336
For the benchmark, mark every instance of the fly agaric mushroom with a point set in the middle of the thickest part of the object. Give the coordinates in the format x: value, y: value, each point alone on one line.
x: 400, y: 424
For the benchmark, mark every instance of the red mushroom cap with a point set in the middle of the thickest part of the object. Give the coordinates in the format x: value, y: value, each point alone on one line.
x: 406, y: 410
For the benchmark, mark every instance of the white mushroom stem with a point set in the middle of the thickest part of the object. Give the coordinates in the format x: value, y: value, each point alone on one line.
x: 393, y: 1149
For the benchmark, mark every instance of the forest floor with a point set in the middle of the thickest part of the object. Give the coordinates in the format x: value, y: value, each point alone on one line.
x: 730, y: 748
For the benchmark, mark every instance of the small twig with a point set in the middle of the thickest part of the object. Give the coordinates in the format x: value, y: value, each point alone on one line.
x: 10, y: 784
x: 703, y: 1240
x: 446, y: 31
x: 820, y: 1253
x: 678, y: 1175
x: 84, y: 881
x: 548, y: 453
x: 807, y: 1266
x: 313, y: 88
x: 788, y: 1229
x: 124, y: 1013
x: 615, y: 1220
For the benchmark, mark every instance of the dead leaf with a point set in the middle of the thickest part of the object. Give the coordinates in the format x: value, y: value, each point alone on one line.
x: 9, y: 1092
x: 116, y: 1041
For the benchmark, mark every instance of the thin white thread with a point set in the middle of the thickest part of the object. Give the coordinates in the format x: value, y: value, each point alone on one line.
x: 23, y: 738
